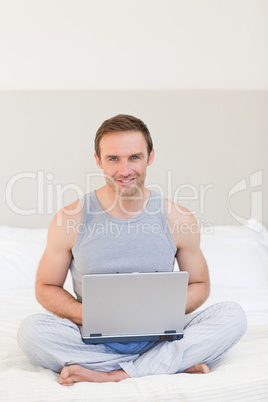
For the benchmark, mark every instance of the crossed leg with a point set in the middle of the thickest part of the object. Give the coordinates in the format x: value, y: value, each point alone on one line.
x: 55, y: 343
x: 216, y: 329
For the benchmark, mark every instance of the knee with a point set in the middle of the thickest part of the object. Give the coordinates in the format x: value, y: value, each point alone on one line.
x: 29, y: 332
x: 34, y: 339
x: 237, y: 318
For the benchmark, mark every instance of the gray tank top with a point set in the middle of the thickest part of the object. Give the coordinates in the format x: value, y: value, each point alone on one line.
x: 109, y: 245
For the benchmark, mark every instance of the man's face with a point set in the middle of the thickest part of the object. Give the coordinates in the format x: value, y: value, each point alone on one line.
x: 124, y: 160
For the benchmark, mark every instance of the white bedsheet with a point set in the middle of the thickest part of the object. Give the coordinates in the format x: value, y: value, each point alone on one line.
x: 242, y: 375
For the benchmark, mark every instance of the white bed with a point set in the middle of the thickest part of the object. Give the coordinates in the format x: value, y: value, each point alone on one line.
x: 238, y: 262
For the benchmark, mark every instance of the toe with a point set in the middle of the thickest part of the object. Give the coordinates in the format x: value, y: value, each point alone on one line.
x: 67, y: 381
x: 64, y: 373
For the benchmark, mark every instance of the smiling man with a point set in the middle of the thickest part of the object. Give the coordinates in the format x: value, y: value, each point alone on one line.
x: 124, y: 150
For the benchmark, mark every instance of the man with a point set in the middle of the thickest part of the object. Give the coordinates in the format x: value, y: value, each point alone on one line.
x: 104, y: 232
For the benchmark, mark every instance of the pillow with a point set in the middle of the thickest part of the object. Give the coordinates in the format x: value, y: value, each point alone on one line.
x: 20, y: 253
x: 237, y: 256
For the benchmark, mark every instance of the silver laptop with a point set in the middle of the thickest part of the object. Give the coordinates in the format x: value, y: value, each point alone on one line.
x: 133, y: 307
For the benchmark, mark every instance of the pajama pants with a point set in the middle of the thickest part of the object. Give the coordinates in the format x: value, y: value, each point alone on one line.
x: 52, y: 342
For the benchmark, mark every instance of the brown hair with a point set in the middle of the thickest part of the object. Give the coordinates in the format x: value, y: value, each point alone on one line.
x: 122, y: 122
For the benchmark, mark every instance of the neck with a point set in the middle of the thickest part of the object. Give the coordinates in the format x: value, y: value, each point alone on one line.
x: 122, y: 207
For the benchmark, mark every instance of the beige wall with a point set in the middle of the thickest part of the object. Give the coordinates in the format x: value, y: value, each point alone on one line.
x: 206, y: 142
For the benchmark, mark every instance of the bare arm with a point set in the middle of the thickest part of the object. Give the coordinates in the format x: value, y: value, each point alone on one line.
x: 190, y: 257
x: 54, y: 267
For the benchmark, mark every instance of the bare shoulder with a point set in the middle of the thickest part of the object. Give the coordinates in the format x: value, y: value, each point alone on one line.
x: 182, y: 225
x: 64, y: 228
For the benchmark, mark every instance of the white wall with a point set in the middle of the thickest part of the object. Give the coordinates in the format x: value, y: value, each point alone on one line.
x: 133, y: 44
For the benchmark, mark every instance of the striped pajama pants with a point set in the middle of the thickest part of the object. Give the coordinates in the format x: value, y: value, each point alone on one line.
x: 52, y: 342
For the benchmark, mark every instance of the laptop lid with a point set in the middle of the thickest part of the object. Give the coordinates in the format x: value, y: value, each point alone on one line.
x: 133, y: 307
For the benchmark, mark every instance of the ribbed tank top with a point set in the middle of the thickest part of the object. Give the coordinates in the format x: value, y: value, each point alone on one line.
x: 109, y: 245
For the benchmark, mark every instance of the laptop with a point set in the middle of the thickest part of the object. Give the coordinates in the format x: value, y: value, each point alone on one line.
x: 133, y: 307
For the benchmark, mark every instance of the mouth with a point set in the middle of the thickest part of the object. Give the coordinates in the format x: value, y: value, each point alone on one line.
x: 126, y: 181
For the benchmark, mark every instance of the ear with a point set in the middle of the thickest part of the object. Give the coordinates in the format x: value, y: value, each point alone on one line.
x: 151, y: 158
x: 98, y: 161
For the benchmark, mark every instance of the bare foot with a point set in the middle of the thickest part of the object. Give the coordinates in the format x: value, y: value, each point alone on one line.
x: 75, y: 373
x: 201, y: 368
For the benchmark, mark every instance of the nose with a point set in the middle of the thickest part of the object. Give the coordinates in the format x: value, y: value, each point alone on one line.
x: 124, y: 168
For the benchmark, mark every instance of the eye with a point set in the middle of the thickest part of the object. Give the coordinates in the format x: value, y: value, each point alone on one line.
x: 134, y: 157
x: 113, y: 159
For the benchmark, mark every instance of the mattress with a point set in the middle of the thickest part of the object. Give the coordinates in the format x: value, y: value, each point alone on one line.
x: 238, y: 262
